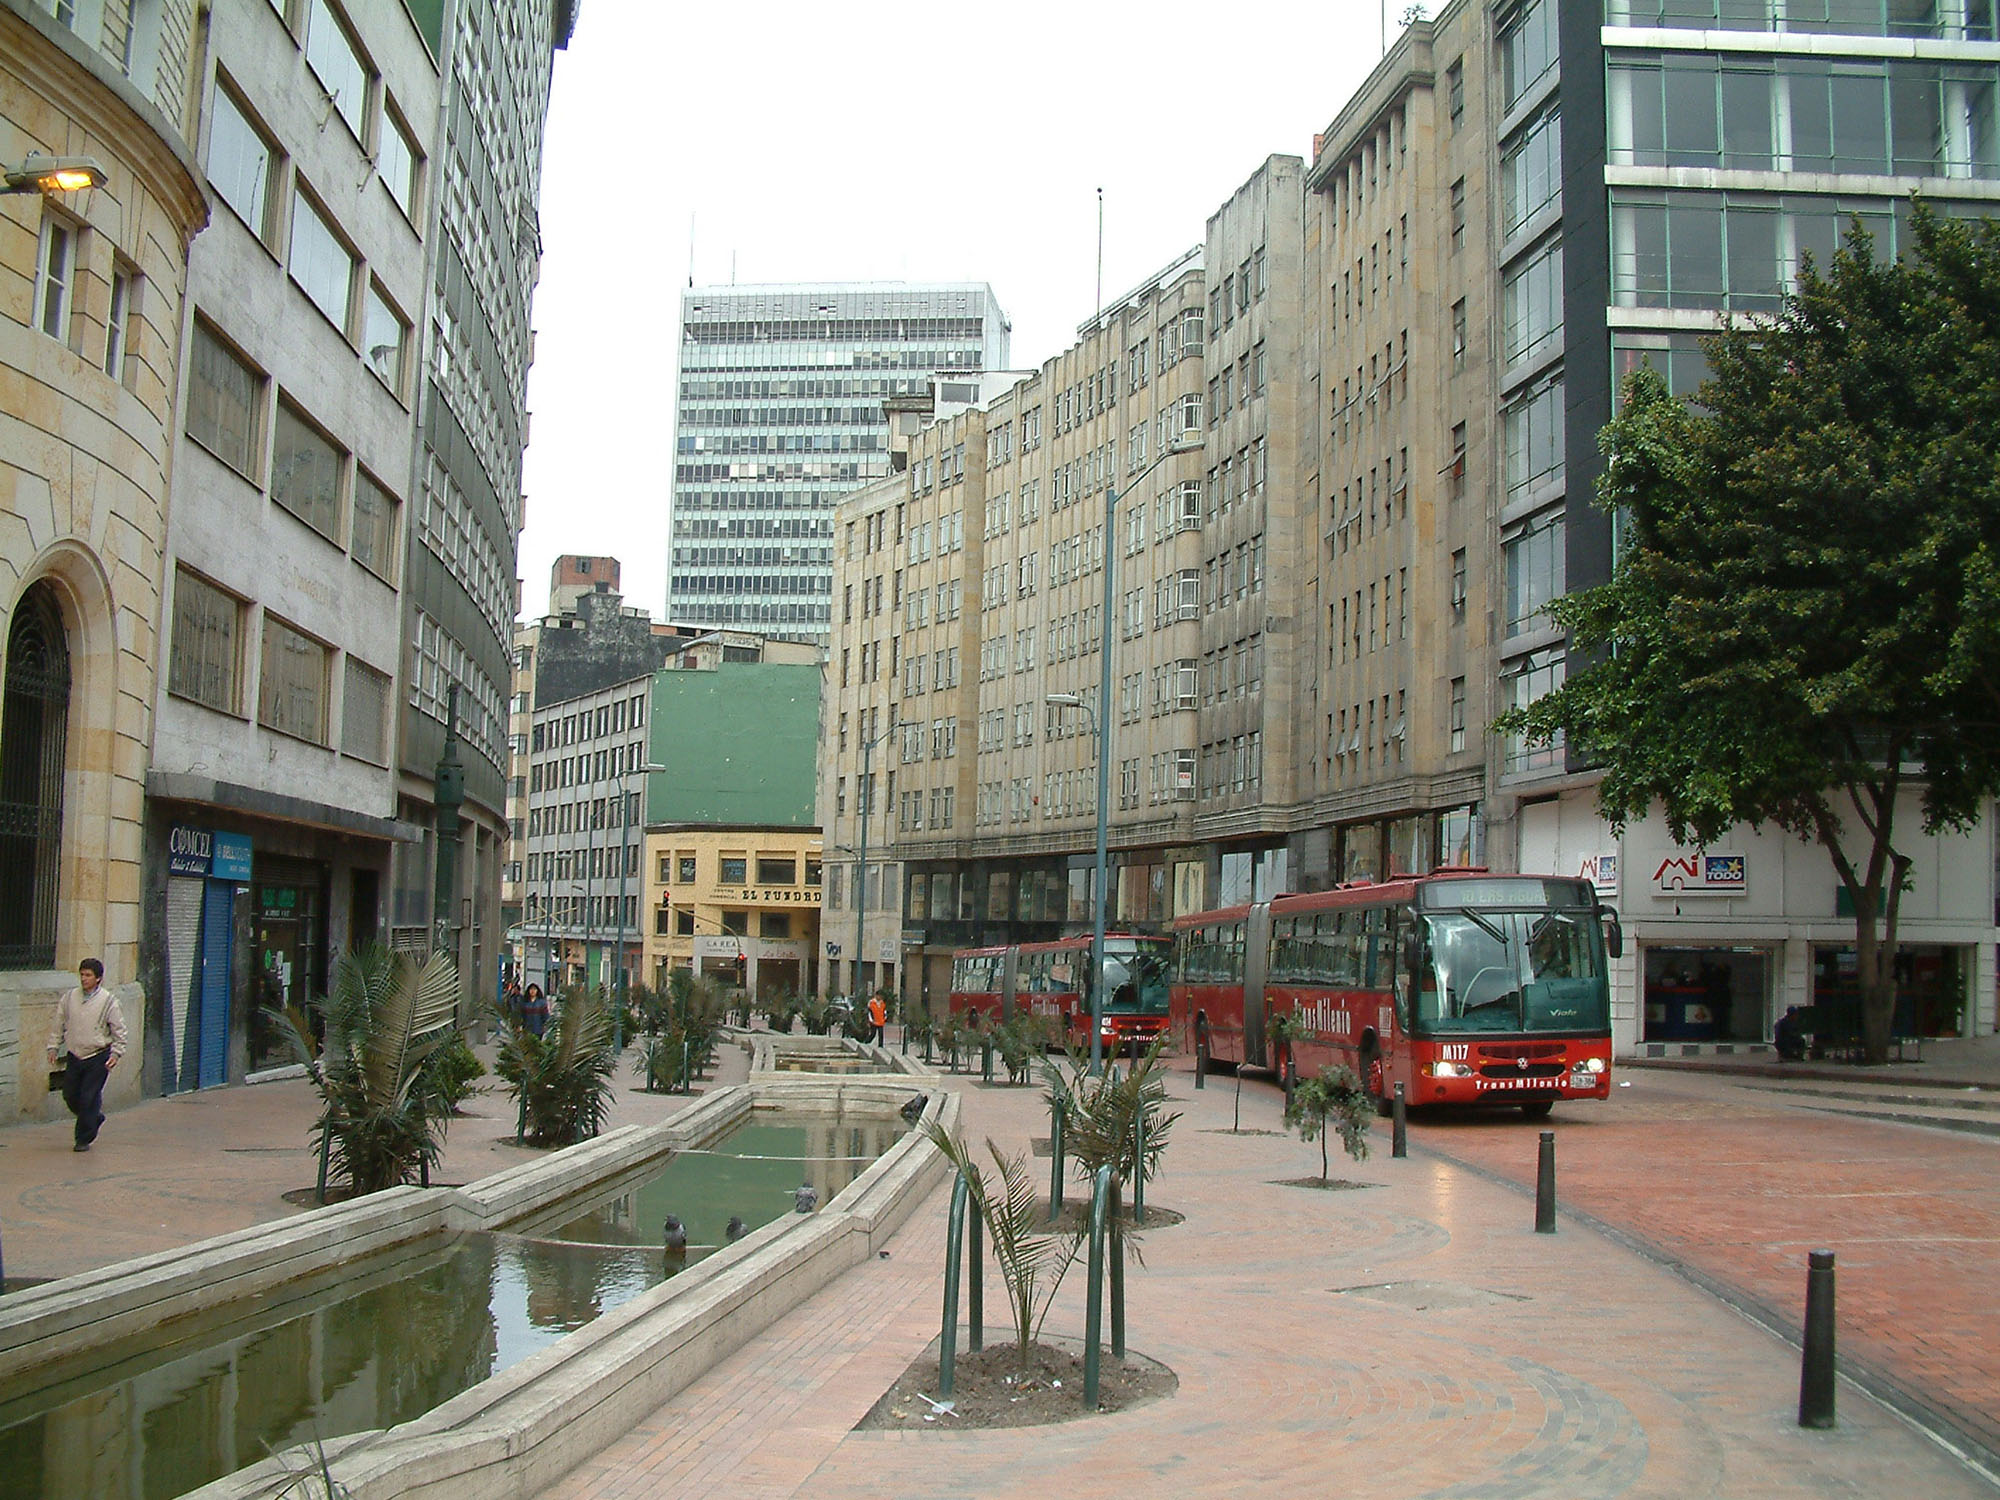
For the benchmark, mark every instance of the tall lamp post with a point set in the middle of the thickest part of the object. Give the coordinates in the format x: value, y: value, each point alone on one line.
x: 861, y: 806
x: 624, y: 868
x: 1188, y: 440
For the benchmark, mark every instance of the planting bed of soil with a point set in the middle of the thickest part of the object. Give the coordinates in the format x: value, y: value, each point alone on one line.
x: 992, y: 1390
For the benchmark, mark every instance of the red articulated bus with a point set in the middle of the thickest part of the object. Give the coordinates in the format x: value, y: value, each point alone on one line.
x: 1052, y: 979
x: 1464, y: 987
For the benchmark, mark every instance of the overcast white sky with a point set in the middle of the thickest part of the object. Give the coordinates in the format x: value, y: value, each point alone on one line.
x: 894, y: 142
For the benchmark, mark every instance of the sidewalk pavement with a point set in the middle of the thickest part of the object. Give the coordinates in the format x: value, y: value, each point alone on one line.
x: 1410, y: 1338
x: 169, y: 1171
x: 1951, y: 1063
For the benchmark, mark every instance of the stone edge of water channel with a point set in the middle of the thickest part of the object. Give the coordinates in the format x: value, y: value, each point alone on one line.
x: 520, y: 1431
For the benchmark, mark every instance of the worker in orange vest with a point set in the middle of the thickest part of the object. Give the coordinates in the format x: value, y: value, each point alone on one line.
x: 878, y: 1018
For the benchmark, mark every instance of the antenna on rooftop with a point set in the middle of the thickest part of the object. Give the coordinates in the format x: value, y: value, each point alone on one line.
x: 1100, y: 252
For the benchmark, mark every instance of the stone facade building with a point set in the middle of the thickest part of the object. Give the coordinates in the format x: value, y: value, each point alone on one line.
x: 91, y: 328
x: 1398, y: 356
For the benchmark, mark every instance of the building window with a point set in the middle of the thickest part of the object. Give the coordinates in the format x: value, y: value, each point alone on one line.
x: 224, y: 398
x: 1455, y: 473
x: 320, y: 263
x: 1458, y: 584
x: 1528, y: 49
x: 734, y: 870
x: 305, y: 472
x: 1454, y: 82
x: 684, y: 869
x: 1532, y: 298
x: 777, y: 870
x: 1524, y: 681
x: 34, y: 757
x: 205, y: 653
x: 385, y: 334
x: 1534, y: 553
x: 683, y: 921
x: 337, y: 63
x: 291, y: 682
x: 240, y: 162
x: 55, y: 271
x: 1457, y: 720
x: 373, y: 534
x: 1531, y: 171
x: 1458, y: 334
x: 1534, y: 436
x: 364, y: 713
x: 121, y: 319
x: 1457, y: 216
x: 400, y: 162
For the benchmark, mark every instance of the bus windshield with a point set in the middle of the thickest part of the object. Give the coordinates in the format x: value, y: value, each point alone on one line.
x: 1136, y: 977
x: 1512, y: 971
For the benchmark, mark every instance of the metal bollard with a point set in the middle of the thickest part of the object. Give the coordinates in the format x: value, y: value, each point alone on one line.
x: 954, y: 1250
x: 1816, y: 1389
x: 986, y: 1059
x: 1545, y: 1186
x: 1139, y: 1165
x: 1200, y: 1072
x: 1056, y: 1165
x: 975, y: 1278
x: 1399, y: 1126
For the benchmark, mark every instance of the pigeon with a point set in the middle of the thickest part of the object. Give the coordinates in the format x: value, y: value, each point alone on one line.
x: 806, y: 1199
x: 735, y: 1229
x: 913, y: 1108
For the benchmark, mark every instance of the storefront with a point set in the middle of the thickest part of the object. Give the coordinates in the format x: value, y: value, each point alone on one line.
x: 208, y: 877
x: 1709, y: 994
x: 289, y: 904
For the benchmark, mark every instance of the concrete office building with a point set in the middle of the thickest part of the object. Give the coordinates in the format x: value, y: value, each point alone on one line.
x: 1519, y: 204
x: 271, y: 795
x: 458, y: 594
x: 780, y: 414
x: 91, y: 292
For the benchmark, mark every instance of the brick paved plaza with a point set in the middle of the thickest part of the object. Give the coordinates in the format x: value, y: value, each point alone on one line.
x: 1413, y: 1338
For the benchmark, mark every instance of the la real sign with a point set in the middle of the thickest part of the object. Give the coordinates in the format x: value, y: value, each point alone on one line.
x: 1701, y: 873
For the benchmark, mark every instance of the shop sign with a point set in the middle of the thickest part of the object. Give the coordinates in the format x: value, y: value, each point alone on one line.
x: 728, y: 946
x: 201, y: 851
x: 1601, y: 870
x: 190, y: 851
x: 781, y: 949
x: 1702, y: 874
x: 777, y: 895
x: 232, y: 858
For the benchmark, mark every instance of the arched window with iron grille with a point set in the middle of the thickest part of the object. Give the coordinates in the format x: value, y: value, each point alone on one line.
x: 34, y: 734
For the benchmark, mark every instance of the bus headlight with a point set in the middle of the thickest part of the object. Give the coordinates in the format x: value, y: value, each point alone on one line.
x: 1447, y: 1070
x: 1590, y: 1065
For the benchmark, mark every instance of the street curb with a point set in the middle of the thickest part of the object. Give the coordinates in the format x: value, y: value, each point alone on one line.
x: 1874, y: 1077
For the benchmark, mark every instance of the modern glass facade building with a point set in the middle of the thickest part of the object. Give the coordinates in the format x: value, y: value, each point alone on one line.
x: 780, y: 414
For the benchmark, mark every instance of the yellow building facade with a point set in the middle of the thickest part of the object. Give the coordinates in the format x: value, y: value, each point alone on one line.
x: 738, y: 904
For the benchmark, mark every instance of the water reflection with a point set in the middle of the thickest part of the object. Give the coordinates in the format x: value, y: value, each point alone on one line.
x: 360, y: 1353
x: 751, y: 1174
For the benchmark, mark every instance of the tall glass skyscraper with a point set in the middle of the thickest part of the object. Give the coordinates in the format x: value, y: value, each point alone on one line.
x: 781, y: 391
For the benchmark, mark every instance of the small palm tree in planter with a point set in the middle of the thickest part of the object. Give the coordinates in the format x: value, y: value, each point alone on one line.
x: 384, y: 1015
x: 1033, y: 1258
x: 562, y: 1078
x: 1101, y: 1115
x: 1333, y: 1101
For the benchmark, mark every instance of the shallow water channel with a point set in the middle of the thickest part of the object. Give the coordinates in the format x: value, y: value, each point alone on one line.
x: 382, y: 1341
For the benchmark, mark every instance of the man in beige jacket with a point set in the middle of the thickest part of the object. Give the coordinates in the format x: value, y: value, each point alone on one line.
x: 90, y: 1036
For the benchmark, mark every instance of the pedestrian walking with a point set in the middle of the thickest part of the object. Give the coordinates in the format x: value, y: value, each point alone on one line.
x: 89, y: 1038
x: 878, y: 1018
x: 535, y: 1010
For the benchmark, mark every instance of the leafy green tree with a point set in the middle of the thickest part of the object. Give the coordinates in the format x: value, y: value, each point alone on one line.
x: 1332, y: 1102
x: 384, y: 1015
x: 1801, y: 625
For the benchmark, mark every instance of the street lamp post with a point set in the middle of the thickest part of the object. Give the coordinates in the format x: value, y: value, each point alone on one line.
x: 861, y: 902
x: 624, y: 864
x: 1188, y: 440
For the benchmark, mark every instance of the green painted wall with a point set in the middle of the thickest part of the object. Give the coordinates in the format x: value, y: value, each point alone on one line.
x: 739, y: 744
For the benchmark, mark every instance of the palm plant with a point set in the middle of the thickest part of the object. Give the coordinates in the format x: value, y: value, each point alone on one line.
x: 562, y: 1078
x: 1332, y: 1101
x: 1101, y: 1114
x: 383, y: 1017
x: 1033, y: 1259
